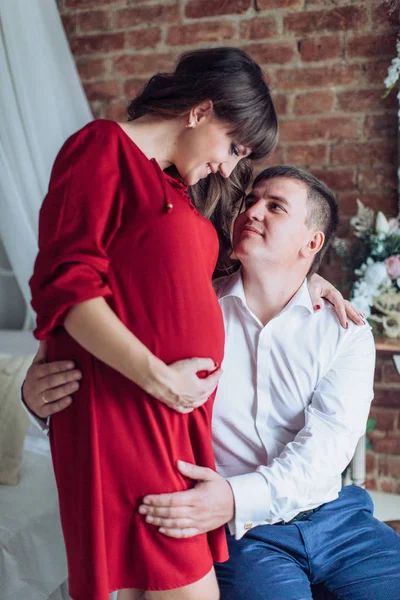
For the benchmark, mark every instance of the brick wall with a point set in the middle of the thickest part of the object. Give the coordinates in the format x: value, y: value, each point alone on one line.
x: 325, y: 61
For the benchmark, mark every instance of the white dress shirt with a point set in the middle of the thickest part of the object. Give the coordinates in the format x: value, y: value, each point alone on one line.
x: 291, y: 405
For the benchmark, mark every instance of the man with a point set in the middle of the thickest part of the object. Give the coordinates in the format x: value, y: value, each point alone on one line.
x: 290, y: 409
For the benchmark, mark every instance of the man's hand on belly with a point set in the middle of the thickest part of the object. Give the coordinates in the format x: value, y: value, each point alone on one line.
x: 203, y: 508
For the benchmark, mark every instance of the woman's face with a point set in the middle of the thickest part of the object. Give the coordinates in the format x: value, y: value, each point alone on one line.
x: 207, y: 147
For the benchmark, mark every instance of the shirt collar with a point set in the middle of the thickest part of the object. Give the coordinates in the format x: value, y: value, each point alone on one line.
x: 234, y: 287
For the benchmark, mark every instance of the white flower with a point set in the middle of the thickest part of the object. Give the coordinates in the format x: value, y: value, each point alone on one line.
x: 363, y: 305
x: 375, y: 276
x: 394, y: 69
x: 362, y: 297
x: 381, y: 223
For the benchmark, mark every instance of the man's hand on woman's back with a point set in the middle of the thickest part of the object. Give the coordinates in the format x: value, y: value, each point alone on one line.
x: 48, y: 387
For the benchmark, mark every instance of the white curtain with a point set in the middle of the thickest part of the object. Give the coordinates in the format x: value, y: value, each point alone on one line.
x: 41, y: 103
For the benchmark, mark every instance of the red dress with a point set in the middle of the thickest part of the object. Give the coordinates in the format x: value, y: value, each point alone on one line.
x: 105, y: 230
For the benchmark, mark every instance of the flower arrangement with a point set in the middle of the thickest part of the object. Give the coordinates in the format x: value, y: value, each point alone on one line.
x: 373, y: 256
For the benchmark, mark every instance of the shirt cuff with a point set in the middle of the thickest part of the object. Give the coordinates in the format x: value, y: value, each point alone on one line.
x: 42, y: 424
x: 252, y: 500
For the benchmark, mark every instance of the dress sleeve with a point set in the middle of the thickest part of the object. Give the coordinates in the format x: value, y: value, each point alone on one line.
x: 78, y: 220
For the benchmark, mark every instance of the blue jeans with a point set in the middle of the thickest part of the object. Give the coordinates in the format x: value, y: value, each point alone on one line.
x: 341, y: 545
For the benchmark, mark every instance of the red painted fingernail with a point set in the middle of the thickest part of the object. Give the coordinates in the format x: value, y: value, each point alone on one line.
x: 317, y: 307
x: 347, y: 325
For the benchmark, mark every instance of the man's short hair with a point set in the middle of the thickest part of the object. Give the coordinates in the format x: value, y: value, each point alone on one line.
x: 322, y: 212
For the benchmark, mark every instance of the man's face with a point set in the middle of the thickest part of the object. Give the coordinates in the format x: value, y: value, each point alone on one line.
x: 272, y: 228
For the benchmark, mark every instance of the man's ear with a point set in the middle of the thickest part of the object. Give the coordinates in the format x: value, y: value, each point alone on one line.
x: 313, y: 245
x: 201, y: 111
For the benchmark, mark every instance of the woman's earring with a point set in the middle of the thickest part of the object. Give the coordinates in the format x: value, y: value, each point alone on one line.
x: 191, y: 124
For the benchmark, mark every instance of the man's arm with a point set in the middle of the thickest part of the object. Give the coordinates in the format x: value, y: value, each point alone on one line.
x: 305, y: 471
x: 48, y: 387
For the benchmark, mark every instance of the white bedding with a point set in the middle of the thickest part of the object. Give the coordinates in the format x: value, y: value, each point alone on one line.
x: 33, y: 564
x: 32, y: 555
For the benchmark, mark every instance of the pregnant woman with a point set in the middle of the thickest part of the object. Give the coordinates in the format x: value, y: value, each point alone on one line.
x: 122, y: 285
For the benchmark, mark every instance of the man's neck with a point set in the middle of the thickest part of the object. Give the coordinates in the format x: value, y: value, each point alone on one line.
x: 268, y: 292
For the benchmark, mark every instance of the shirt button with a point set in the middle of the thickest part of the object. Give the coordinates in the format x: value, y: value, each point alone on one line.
x: 248, y: 526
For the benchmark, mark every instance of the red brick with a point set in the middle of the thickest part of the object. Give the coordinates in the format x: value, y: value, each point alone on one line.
x: 387, y: 445
x: 258, y: 28
x: 337, y: 19
x: 133, y: 87
x: 143, y: 38
x: 280, y: 103
x: 375, y: 71
x: 381, y: 126
x: 362, y: 100
x: 378, y: 367
x: 342, y: 179
x: 383, y: 19
x: 313, y: 129
x: 98, y: 110
x: 371, y: 484
x: 116, y: 111
x: 390, y: 466
x: 94, y: 20
x: 344, y: 226
x: 306, y: 155
x: 387, y: 419
x: 272, y: 53
x: 309, y: 77
x: 195, y: 9
x: 372, y: 153
x: 386, y: 203
x: 387, y: 397
x: 90, y: 44
x: 326, y: 48
x: 314, y: 102
x: 92, y: 3
x: 371, y: 46
x: 386, y: 486
x: 132, y: 65
x: 277, y: 158
x: 185, y: 35
x: 102, y: 90
x: 90, y: 68
x: 69, y: 23
x: 327, y: 3
x: 147, y: 15
x: 371, y: 462
x: 390, y: 374
x: 268, y: 4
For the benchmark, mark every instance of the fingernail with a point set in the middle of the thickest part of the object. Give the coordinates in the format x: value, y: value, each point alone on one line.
x: 70, y: 365
x: 161, y: 530
x: 317, y: 307
x: 180, y: 463
x: 146, y: 501
x: 143, y: 510
x: 347, y: 325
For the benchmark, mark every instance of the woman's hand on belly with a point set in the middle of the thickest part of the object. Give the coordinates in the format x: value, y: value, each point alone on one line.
x: 187, y: 387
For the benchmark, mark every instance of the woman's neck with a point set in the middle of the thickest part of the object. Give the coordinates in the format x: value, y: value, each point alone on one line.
x: 155, y: 137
